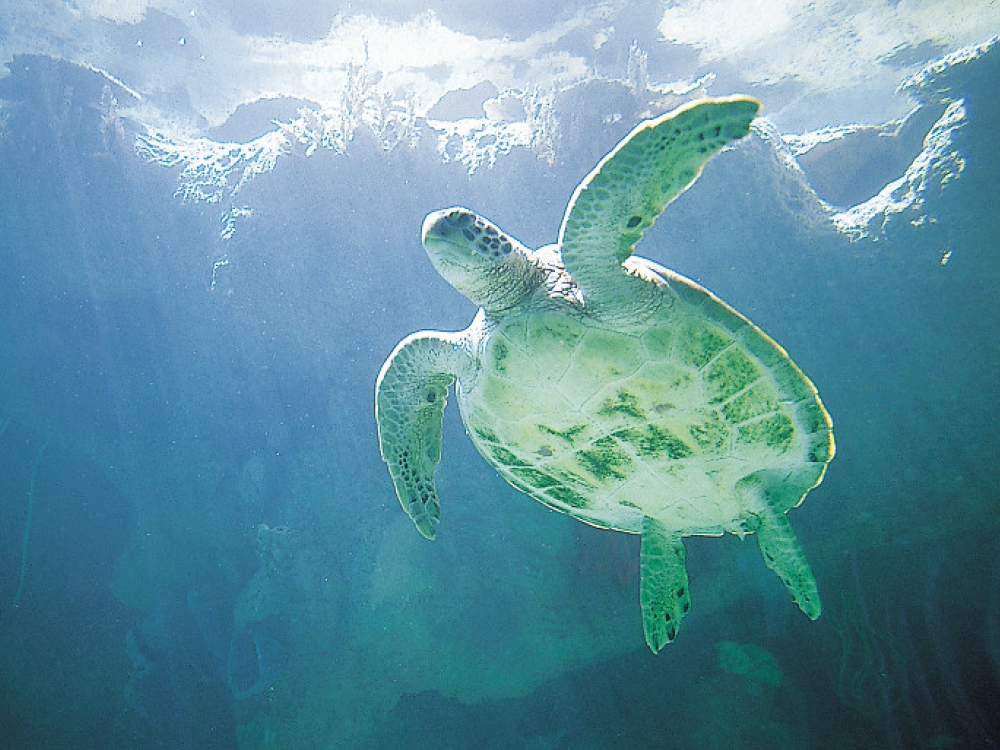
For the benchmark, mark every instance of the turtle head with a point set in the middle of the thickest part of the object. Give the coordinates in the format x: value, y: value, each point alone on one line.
x: 489, y: 267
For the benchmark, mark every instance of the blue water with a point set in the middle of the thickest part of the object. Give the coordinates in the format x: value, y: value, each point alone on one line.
x: 200, y: 546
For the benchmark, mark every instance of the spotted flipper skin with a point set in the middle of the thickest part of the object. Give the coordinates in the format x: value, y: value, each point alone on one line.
x: 783, y: 554
x: 410, y: 396
x: 663, y: 583
x: 779, y: 546
x: 626, y: 192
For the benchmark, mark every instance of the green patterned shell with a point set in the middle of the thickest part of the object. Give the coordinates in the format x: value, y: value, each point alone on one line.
x: 668, y: 420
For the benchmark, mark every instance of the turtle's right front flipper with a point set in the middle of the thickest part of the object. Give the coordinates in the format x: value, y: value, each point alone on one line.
x: 624, y: 194
x: 410, y: 397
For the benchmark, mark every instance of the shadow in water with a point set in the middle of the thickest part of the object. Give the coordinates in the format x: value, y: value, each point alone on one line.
x: 918, y: 648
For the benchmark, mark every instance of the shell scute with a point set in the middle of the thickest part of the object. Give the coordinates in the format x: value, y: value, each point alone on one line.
x: 729, y: 373
x: 699, y: 341
x: 758, y: 399
x: 776, y: 431
x: 600, y: 357
x: 657, y: 342
x: 654, y: 441
x: 606, y: 459
x: 709, y: 432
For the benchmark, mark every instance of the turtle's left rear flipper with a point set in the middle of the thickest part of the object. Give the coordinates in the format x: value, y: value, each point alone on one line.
x: 663, y: 583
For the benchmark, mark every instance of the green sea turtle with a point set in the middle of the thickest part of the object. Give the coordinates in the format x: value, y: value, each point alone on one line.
x: 609, y: 388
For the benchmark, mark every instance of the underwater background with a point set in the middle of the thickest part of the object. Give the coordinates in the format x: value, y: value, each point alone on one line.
x: 210, y: 241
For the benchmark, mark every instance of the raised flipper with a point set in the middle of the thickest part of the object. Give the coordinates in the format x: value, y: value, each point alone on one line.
x: 631, y: 186
x: 410, y: 397
x: 663, y: 583
x: 781, y: 549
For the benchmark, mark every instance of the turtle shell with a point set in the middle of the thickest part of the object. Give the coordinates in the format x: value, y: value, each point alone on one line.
x: 668, y: 419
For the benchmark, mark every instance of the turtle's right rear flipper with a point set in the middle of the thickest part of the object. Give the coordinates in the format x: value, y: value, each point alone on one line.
x: 778, y: 544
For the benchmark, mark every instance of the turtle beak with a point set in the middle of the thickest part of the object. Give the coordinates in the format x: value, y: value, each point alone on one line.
x: 473, y: 237
x: 451, y: 225
x: 480, y: 261
x: 450, y: 243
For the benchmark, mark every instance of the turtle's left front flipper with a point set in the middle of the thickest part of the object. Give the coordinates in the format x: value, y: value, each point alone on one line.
x: 410, y: 397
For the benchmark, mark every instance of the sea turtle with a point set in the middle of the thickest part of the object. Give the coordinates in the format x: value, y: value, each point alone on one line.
x: 610, y: 388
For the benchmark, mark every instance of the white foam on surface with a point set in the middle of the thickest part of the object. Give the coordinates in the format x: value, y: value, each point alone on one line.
x: 824, y: 70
